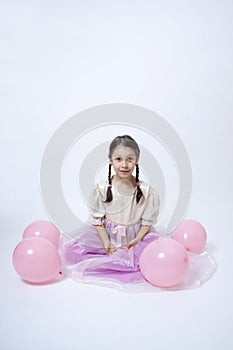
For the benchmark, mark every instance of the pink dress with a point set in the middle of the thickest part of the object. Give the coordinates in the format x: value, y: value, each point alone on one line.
x: 85, y: 260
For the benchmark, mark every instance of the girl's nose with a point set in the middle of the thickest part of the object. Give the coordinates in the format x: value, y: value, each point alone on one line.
x: 124, y: 163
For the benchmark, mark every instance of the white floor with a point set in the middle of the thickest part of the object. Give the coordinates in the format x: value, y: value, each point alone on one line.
x: 59, y: 58
x: 70, y: 314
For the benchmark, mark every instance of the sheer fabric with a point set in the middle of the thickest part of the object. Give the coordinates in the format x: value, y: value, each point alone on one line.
x: 84, y: 258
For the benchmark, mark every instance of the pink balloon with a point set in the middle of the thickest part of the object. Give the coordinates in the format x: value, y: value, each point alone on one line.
x: 192, y: 235
x: 164, y: 262
x: 36, y: 260
x: 44, y: 229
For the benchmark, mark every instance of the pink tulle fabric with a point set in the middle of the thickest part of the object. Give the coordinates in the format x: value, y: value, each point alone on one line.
x: 85, y: 260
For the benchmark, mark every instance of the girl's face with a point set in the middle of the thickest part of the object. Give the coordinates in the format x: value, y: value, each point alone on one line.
x: 123, y: 160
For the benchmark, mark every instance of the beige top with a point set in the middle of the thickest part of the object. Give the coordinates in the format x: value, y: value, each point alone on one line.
x: 124, y: 210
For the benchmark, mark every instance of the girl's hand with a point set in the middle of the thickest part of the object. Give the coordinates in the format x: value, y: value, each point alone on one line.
x: 109, y: 247
x: 131, y: 244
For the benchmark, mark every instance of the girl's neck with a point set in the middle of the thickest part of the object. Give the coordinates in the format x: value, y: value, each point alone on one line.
x: 131, y: 181
x: 124, y: 186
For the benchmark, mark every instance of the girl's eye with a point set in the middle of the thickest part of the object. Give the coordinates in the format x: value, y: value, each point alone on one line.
x: 118, y: 159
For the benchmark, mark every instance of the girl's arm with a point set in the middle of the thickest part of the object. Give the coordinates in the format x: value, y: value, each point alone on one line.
x: 150, y: 215
x: 108, y: 246
x: 144, y: 229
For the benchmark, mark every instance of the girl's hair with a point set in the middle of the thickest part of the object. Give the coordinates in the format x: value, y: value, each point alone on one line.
x: 126, y: 141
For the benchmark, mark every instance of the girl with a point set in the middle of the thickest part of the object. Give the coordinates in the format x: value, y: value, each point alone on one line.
x: 123, y: 211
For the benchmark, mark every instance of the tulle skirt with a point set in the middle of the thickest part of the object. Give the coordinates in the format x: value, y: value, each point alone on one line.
x: 85, y: 260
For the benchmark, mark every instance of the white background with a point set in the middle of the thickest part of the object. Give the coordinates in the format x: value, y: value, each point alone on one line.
x: 61, y: 57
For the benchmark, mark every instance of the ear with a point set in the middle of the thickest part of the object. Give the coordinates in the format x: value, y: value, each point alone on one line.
x: 110, y: 161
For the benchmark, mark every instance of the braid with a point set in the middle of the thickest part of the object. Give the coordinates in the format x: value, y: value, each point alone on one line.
x: 109, y: 190
x: 139, y: 191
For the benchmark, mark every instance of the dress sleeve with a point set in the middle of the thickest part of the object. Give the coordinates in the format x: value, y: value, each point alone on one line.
x: 151, y: 212
x: 96, y: 206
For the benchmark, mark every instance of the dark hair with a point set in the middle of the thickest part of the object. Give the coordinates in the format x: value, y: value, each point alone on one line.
x: 126, y: 141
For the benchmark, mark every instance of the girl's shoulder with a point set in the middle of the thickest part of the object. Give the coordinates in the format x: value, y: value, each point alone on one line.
x: 147, y: 189
x: 100, y: 188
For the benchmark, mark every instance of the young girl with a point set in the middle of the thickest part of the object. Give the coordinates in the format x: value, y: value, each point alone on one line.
x: 123, y: 211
